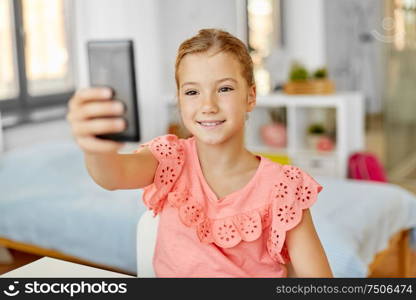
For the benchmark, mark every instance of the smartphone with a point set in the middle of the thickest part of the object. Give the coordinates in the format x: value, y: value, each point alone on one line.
x: 111, y: 64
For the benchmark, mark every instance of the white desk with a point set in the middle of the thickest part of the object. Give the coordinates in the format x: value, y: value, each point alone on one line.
x: 54, y: 268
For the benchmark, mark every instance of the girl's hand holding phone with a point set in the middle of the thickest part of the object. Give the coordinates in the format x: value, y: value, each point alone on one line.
x: 92, y: 112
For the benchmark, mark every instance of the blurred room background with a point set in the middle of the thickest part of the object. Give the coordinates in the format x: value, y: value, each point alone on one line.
x: 367, y: 46
x: 366, y: 49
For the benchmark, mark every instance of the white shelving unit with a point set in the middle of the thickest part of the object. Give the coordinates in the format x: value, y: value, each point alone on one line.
x: 349, y: 128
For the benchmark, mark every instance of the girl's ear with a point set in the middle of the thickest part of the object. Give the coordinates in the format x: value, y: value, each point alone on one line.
x: 251, y: 98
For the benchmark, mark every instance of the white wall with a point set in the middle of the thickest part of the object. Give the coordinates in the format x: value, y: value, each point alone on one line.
x: 129, y: 19
x: 304, y: 31
x: 180, y: 20
x: 157, y: 28
x: 354, y: 55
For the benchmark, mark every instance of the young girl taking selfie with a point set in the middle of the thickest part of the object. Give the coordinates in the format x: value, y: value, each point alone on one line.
x: 224, y: 212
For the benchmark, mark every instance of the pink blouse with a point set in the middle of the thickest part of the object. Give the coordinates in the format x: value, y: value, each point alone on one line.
x: 239, y: 235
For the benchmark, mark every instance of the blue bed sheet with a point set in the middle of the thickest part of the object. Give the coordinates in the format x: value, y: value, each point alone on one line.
x: 48, y: 199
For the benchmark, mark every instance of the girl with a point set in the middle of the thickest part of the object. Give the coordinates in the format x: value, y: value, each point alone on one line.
x: 224, y: 212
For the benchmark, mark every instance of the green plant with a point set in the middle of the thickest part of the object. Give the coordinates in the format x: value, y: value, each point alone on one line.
x: 320, y: 73
x: 316, y: 128
x: 298, y: 72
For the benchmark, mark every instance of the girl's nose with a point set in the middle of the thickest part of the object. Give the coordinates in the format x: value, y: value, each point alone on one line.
x: 209, y: 104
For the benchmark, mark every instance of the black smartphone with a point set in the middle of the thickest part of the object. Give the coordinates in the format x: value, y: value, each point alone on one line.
x: 111, y: 64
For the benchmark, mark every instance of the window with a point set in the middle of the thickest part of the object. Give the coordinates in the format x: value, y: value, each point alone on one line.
x: 8, y: 73
x: 403, y: 23
x: 264, y: 37
x: 35, y: 64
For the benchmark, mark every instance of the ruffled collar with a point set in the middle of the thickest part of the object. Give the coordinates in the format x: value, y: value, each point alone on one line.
x: 287, y: 191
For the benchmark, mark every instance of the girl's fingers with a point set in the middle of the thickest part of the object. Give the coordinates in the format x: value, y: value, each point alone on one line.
x: 90, y: 94
x: 92, y: 112
x: 98, y: 126
x: 99, y: 109
x: 96, y: 145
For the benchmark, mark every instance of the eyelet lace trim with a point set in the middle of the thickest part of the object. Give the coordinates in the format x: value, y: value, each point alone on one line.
x: 171, y: 156
x: 289, y: 196
x: 225, y: 232
x: 293, y: 191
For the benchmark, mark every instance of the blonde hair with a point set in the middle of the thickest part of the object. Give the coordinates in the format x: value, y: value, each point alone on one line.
x: 221, y: 41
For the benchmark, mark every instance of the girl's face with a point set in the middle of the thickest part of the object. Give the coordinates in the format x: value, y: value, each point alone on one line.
x: 214, y: 97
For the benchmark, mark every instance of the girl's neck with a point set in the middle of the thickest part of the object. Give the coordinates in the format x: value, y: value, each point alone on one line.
x: 225, y: 157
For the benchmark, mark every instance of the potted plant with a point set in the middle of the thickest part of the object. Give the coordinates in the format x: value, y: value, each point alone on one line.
x: 300, y: 82
x: 315, y: 132
x: 298, y: 72
x: 321, y: 73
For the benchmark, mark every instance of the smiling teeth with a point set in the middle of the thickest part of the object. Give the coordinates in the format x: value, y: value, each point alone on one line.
x: 210, y: 123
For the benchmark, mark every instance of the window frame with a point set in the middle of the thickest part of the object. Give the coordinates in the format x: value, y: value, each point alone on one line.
x: 280, y: 42
x: 25, y: 104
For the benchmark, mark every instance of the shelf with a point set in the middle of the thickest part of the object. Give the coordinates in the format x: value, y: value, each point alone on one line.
x: 313, y: 154
x: 299, y: 153
x: 266, y: 149
x: 281, y: 99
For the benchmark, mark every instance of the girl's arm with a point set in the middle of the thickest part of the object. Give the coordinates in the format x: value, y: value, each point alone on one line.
x: 113, y: 171
x: 306, y: 253
x: 88, y: 115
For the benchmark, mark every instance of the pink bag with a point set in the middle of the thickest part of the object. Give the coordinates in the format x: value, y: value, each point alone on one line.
x: 366, y: 166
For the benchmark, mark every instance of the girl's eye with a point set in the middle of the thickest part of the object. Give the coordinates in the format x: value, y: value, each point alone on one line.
x: 226, y: 89
x: 190, y: 93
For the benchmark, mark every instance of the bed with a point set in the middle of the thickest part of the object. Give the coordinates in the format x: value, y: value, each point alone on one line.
x: 50, y: 206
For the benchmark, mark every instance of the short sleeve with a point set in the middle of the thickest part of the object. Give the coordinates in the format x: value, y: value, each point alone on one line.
x: 169, y: 152
x: 293, y: 191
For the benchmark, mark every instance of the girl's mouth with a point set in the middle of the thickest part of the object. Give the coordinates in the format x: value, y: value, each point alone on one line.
x: 210, y: 124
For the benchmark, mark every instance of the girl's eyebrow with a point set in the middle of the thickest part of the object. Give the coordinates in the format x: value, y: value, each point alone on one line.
x: 218, y: 81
